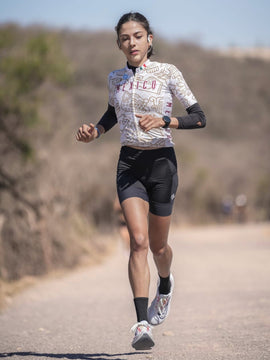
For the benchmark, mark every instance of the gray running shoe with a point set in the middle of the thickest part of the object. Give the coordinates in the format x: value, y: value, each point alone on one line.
x: 160, y: 307
x: 143, y: 338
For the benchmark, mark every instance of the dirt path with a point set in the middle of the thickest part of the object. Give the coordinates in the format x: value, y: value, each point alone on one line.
x: 220, y: 309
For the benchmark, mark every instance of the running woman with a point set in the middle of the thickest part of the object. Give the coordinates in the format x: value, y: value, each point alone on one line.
x: 140, y: 101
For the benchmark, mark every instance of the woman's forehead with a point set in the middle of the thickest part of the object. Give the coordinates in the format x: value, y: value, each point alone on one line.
x: 131, y: 27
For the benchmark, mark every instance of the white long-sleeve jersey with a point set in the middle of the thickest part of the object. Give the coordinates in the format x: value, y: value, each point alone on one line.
x: 149, y: 91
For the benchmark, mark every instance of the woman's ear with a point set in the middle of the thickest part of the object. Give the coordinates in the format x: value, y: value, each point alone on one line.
x: 150, y: 38
x: 118, y: 43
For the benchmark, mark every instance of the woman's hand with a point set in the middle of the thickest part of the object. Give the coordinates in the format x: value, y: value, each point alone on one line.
x: 86, y: 133
x: 148, y: 122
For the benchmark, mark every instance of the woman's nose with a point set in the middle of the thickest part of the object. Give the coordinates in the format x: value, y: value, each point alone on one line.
x: 132, y: 41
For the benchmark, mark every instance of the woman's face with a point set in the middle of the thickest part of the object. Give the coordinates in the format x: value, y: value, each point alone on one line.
x: 134, y: 43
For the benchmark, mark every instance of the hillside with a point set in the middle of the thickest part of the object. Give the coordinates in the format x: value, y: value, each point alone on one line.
x: 72, y: 185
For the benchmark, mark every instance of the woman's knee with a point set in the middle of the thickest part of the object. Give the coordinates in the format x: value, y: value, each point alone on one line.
x: 139, y: 242
x: 159, y: 250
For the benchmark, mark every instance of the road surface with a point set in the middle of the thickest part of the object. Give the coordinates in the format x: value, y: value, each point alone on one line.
x: 220, y: 309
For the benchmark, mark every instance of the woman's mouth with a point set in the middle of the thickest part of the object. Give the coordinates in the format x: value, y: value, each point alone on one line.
x: 134, y: 52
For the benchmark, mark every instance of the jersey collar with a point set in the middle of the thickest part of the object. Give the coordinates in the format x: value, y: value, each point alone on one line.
x: 139, y: 68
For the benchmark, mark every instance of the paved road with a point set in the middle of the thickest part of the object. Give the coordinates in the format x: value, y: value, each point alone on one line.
x: 220, y: 309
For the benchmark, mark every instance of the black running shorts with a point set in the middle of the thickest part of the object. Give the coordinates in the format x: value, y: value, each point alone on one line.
x: 150, y: 175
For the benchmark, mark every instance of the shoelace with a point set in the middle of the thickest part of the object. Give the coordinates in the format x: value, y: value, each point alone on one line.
x: 161, y: 303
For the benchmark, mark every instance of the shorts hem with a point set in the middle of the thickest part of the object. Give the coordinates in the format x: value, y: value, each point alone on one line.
x: 134, y: 196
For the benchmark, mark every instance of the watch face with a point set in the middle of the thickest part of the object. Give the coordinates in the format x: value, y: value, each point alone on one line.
x: 167, y: 121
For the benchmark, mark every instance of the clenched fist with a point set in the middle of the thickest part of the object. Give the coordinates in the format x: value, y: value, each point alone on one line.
x: 86, y: 133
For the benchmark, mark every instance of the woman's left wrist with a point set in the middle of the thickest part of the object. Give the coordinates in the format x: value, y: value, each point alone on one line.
x: 166, y: 121
x: 174, y: 123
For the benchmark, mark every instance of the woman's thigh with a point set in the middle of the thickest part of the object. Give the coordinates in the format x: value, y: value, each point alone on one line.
x: 158, y: 231
x: 135, y: 211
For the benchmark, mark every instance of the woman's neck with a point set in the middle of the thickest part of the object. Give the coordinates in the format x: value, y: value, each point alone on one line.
x: 133, y: 68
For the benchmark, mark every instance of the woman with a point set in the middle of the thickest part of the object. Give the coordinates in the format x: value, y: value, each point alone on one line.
x: 140, y: 100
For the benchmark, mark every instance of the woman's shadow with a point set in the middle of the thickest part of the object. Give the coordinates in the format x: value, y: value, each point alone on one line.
x: 97, y: 356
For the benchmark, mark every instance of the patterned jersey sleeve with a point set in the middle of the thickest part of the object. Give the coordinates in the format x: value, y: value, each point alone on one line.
x: 180, y: 89
x: 110, y: 89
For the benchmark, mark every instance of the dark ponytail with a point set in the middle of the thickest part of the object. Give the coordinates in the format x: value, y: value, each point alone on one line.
x: 135, y: 16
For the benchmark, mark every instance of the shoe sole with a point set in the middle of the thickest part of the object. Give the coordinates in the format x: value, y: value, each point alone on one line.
x: 144, y: 343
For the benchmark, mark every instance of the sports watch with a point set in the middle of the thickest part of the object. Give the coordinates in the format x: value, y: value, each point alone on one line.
x: 167, y: 121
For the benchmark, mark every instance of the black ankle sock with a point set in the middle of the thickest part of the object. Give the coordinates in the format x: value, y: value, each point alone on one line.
x: 165, y: 285
x: 141, y: 305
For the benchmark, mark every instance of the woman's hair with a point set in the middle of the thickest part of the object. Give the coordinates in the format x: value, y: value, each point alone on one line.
x: 135, y: 16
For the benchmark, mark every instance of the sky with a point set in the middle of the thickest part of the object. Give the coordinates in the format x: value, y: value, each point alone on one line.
x: 210, y: 23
